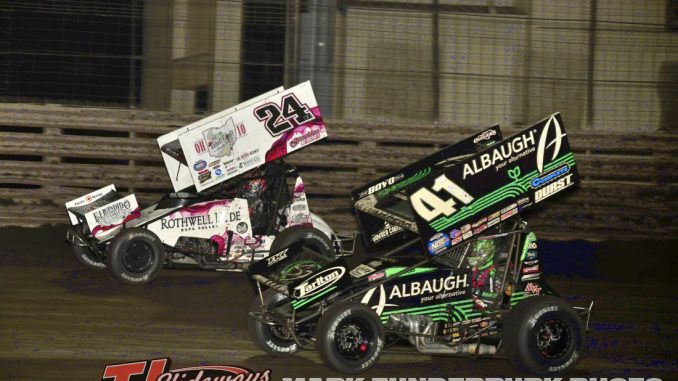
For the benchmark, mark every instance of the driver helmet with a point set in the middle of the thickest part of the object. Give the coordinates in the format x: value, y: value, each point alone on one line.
x: 482, y: 252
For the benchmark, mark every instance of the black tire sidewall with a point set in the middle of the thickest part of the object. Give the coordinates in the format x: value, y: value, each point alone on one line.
x: 522, y: 328
x: 85, y: 256
x: 302, y: 233
x: 327, y: 329
x: 119, y: 245
x: 261, y: 334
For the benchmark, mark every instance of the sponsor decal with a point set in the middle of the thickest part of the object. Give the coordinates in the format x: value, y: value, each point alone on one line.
x: 215, y: 163
x: 530, y: 263
x: 204, y: 176
x: 509, y: 214
x: 113, y: 213
x: 479, y: 228
x: 499, y: 154
x: 524, y: 206
x: 275, y: 258
x: 455, y: 233
x: 523, y: 201
x: 381, y: 300
x: 553, y: 188
x: 361, y: 271
x: 241, y: 228
x: 159, y: 370
x: 466, y: 228
x: 555, y: 143
x: 297, y: 219
x: 298, y: 213
x: 530, y: 242
x: 457, y: 240
x: 199, y: 221
x: 220, y: 140
x: 306, y: 138
x: 468, y: 234
x: 104, y: 218
x: 231, y: 170
x: 531, y: 269
x: 218, y: 172
x: 531, y: 255
x: 200, y: 165
x: 381, y: 185
x: 387, y: 231
x: 533, y: 288
x: 438, y: 243
x: 531, y: 276
x: 427, y: 290
x: 430, y: 286
x: 298, y: 270
x: 493, y: 221
x: 299, y: 208
x: 549, y: 177
x: 319, y: 282
x: 486, y: 135
x: 479, y: 222
x: 248, y: 162
x: 376, y: 276
x: 86, y: 199
x: 509, y: 208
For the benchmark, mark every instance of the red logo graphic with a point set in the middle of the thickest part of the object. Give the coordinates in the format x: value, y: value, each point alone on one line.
x: 147, y: 370
x: 200, y: 146
x: 158, y: 370
x: 532, y: 288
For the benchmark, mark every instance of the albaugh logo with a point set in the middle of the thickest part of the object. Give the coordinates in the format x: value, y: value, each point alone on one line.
x: 158, y: 370
x: 556, y: 142
x: 381, y: 302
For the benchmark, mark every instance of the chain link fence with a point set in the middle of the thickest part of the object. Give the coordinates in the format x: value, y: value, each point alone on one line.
x: 606, y: 65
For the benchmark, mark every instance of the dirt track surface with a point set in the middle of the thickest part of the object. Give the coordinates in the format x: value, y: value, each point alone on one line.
x: 59, y: 321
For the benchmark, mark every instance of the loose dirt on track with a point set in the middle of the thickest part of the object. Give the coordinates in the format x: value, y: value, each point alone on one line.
x: 60, y: 321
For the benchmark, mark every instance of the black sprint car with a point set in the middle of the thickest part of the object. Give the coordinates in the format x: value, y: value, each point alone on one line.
x: 451, y: 268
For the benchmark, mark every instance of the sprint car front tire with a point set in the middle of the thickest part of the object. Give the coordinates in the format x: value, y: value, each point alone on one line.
x: 135, y: 256
x: 543, y: 335
x: 350, y: 337
x: 268, y: 338
x: 85, y: 255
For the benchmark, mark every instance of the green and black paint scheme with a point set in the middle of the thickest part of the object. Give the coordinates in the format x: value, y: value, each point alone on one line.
x: 419, y: 285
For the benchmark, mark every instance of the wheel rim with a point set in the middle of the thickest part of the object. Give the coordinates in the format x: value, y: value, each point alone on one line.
x: 553, y: 339
x: 138, y: 257
x: 354, y: 338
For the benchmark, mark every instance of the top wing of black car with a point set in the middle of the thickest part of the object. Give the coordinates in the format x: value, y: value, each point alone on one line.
x: 384, y: 212
x: 463, y: 189
x: 492, y: 185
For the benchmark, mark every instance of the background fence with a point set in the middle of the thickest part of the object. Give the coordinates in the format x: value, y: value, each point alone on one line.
x: 394, y: 78
x: 58, y: 153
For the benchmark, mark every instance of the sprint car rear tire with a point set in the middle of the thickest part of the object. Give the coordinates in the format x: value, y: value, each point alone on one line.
x: 135, y: 256
x: 543, y: 335
x: 85, y: 255
x: 350, y: 337
x: 266, y: 337
x: 304, y: 264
